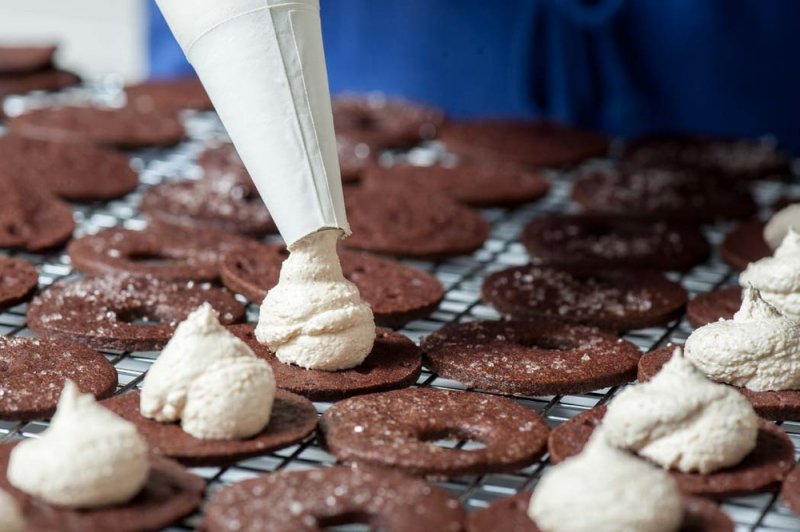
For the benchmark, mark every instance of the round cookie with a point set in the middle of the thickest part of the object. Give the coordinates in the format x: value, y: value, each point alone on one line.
x: 537, y: 357
x: 614, y: 300
x: 406, y: 224
x: 18, y: 281
x: 394, y: 362
x: 175, y: 94
x: 73, y: 171
x: 737, y: 158
x: 776, y: 405
x: 396, y: 292
x: 293, y: 419
x: 478, y: 185
x: 310, y: 500
x: 711, y: 306
x: 219, y: 202
x: 535, y: 143
x: 124, y: 128
x: 398, y: 429
x: 790, y: 491
x: 355, y: 157
x: 510, y: 514
x: 161, y: 251
x: 33, y: 371
x: 171, y: 492
x: 31, y: 219
x: 761, y: 470
x: 18, y: 59
x: 673, y: 194
x: 49, y: 79
x: 124, y: 312
x: 587, y: 243
x: 744, y: 244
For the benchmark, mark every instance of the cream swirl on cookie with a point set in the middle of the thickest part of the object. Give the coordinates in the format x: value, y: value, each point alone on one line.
x: 778, y: 277
x: 758, y: 349
x: 778, y: 225
x: 681, y: 420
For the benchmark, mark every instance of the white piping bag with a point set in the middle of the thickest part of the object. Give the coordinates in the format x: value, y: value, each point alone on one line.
x: 262, y: 64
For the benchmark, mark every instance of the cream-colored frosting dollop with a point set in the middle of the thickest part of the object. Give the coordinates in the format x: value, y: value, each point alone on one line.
x: 605, y: 489
x: 11, y: 519
x: 88, y: 457
x: 681, y: 420
x: 779, y: 224
x: 314, y: 317
x: 210, y: 380
x: 778, y: 277
x: 758, y: 349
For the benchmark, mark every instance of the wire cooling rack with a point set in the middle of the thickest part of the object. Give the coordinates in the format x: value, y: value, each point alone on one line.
x: 462, y: 279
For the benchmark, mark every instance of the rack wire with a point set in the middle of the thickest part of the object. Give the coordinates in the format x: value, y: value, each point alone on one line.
x: 462, y: 279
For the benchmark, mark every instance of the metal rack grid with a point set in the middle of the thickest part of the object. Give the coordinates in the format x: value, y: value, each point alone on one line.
x: 461, y: 277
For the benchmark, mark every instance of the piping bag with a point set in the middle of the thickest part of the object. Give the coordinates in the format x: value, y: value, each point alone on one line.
x: 263, y: 66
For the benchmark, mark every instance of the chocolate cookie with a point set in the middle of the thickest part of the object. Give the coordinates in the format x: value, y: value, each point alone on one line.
x: 424, y: 226
x: 170, y: 493
x: 18, y: 281
x: 73, y: 171
x: 124, y: 312
x: 355, y: 157
x: 175, y: 94
x: 33, y: 371
x: 761, y: 470
x: 162, y: 251
x: 49, y: 79
x: 790, y: 491
x: 737, y: 158
x: 712, y: 306
x: 673, y: 194
x: 220, y: 202
x: 398, y: 429
x: 777, y: 405
x: 17, y: 59
x: 535, y: 143
x: 615, y: 300
x: 479, y: 185
x: 396, y: 292
x: 30, y: 218
x: 537, y: 357
x: 124, y: 128
x: 394, y: 362
x: 745, y: 244
x: 290, y: 501
x: 587, y: 243
x: 293, y: 418
x: 510, y: 514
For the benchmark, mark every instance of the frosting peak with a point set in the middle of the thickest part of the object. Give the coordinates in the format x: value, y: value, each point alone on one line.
x: 604, y: 489
x: 88, y: 457
x: 681, y: 420
x: 779, y: 224
x: 778, y: 277
x: 314, y: 317
x: 758, y: 349
x: 210, y: 380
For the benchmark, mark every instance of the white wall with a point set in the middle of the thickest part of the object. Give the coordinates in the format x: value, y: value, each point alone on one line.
x: 96, y: 37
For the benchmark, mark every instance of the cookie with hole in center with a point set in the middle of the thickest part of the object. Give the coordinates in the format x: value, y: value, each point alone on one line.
x: 293, y: 418
x: 124, y: 312
x: 712, y: 306
x: 744, y: 244
x: 587, y: 243
x: 762, y: 470
x: 394, y: 362
x: 776, y: 405
x: 535, y: 357
x: 170, y: 493
x: 398, y: 430
x: 161, y: 251
x: 396, y: 292
x: 405, y: 224
x: 33, y: 371
x: 510, y: 514
x: 316, y: 499
x: 123, y: 128
x: 175, y: 94
x: 614, y: 300
x: 18, y: 281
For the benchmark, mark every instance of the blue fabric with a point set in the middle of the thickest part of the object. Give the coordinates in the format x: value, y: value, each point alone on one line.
x: 623, y: 66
